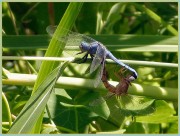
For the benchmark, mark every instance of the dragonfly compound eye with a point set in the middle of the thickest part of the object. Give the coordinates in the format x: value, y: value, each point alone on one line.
x: 84, y: 46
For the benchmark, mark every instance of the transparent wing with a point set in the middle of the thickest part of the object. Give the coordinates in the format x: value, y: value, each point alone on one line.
x: 98, y: 58
x: 98, y: 77
x: 127, y: 105
x: 72, y: 38
x: 130, y: 105
x: 50, y: 30
x: 101, y: 100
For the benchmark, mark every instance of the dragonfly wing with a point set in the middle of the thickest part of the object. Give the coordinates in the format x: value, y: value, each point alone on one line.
x: 99, y: 57
x: 135, y: 105
x: 97, y: 101
x: 72, y: 38
x: 109, y: 95
x: 50, y: 30
x: 99, y: 75
x: 101, y: 99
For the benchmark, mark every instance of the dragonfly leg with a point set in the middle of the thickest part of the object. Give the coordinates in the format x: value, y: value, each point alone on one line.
x: 122, y: 70
x: 130, y: 77
x: 119, y: 74
x: 83, y: 59
x: 79, y: 52
x: 92, y: 56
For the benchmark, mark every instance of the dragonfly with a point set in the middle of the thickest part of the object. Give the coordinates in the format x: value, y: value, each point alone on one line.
x: 122, y: 87
x: 127, y: 104
x: 98, y: 52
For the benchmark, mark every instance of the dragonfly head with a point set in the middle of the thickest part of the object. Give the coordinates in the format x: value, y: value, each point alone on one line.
x: 84, y: 46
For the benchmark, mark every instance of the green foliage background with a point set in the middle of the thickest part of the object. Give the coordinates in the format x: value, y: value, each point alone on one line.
x: 143, y: 32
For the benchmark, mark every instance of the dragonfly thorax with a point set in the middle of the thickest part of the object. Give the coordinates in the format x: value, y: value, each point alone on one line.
x: 91, y: 48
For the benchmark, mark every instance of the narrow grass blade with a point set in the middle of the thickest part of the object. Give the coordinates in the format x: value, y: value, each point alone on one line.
x: 36, y: 104
x: 55, y: 47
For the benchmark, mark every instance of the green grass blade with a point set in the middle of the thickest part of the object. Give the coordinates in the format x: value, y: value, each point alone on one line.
x: 165, y: 93
x: 112, y: 42
x: 36, y: 104
x: 54, y: 47
x: 157, y: 18
x: 6, y: 112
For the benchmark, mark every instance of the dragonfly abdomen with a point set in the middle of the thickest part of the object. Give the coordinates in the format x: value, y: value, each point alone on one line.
x: 111, y: 56
x: 104, y: 79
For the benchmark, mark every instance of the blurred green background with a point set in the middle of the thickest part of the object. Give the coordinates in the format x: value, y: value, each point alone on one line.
x: 136, y: 31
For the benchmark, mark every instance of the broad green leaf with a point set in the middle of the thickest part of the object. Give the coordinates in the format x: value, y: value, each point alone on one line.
x: 143, y: 128
x: 173, y: 127
x: 163, y: 113
x: 130, y: 105
x: 69, y: 115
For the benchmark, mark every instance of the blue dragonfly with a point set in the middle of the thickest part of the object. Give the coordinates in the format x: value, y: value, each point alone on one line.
x: 97, y: 51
